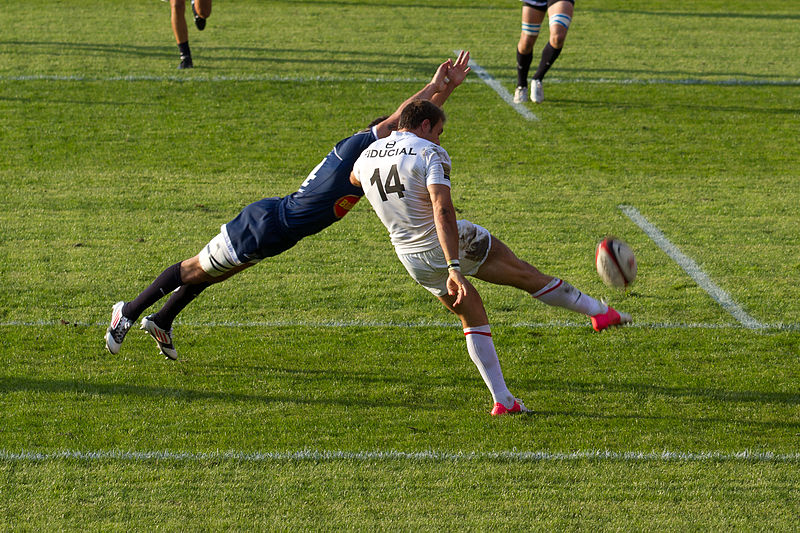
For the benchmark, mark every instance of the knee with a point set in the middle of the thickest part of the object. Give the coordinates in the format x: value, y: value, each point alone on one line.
x: 525, y: 45
x: 557, y: 40
x: 192, y: 272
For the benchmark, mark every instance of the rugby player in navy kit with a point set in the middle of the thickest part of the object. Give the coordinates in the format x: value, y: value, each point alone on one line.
x: 269, y: 226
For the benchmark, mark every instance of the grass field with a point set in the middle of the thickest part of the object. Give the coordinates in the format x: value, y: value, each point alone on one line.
x: 323, y: 389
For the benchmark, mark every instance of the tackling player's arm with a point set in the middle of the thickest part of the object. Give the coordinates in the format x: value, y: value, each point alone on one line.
x: 455, y: 75
x: 444, y: 216
x: 448, y: 76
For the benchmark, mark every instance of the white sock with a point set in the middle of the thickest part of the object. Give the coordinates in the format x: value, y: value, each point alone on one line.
x: 559, y: 293
x: 481, y: 350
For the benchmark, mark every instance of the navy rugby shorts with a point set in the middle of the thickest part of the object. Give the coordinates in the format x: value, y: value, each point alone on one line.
x: 257, y: 233
x: 542, y: 5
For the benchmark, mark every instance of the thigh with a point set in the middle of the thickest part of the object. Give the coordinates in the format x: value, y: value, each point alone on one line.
x: 214, y: 263
x: 560, y: 6
x: 192, y: 272
x: 533, y: 15
x: 503, y: 267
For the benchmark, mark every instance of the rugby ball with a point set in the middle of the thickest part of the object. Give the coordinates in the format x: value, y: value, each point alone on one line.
x: 615, y: 263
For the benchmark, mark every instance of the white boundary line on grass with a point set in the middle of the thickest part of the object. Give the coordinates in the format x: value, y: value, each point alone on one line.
x: 691, y: 268
x: 380, y: 79
x: 421, y: 324
x: 422, y: 456
x: 499, y: 89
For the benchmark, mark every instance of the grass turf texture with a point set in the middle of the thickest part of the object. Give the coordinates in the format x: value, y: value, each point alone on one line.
x: 107, y: 181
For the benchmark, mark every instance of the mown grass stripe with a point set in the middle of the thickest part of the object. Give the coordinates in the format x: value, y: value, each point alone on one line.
x: 392, y: 455
x: 692, y: 268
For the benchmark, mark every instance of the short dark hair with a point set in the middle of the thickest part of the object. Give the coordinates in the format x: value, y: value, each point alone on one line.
x: 392, y: 126
x: 417, y: 111
x: 377, y: 121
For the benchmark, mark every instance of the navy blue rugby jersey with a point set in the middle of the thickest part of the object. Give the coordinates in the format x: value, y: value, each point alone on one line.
x: 326, y: 195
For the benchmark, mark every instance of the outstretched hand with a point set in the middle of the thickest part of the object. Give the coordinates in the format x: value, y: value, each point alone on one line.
x: 458, y: 71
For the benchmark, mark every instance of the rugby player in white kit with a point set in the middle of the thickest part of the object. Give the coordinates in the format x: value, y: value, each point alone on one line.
x: 406, y: 178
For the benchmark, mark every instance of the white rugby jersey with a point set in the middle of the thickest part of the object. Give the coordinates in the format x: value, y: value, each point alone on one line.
x: 395, y: 173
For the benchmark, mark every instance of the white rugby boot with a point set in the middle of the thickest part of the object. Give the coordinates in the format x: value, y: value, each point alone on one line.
x: 538, y: 92
x: 521, y: 95
x: 162, y: 337
x: 119, y: 327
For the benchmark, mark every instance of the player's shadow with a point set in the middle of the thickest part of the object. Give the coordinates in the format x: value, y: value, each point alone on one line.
x: 51, y: 48
x: 381, y: 62
x: 647, y: 390
x: 681, y: 76
x: 382, y: 3
x: 55, y: 99
x: 785, y: 398
x: 748, y: 109
x: 65, y: 386
x: 766, y: 424
x: 687, y: 14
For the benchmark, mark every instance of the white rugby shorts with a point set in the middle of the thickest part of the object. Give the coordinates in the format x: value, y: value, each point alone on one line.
x: 429, y: 268
x: 217, y: 257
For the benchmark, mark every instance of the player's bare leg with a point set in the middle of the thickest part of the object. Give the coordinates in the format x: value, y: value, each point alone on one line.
x: 503, y: 267
x: 187, y: 279
x: 481, y: 349
x: 201, y: 10
x: 558, y: 31
x: 559, y: 18
x: 194, y: 281
x: 181, y: 32
x: 531, y: 25
x: 192, y: 272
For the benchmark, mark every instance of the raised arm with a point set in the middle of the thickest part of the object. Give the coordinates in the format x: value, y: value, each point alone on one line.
x: 448, y: 76
x: 455, y: 75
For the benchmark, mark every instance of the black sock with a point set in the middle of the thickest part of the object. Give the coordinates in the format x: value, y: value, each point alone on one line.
x: 166, y: 282
x: 523, y: 66
x: 549, y: 56
x: 175, y: 304
x: 184, y: 49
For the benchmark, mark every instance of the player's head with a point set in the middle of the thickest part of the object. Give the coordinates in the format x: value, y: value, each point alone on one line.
x: 424, y: 118
x: 377, y: 121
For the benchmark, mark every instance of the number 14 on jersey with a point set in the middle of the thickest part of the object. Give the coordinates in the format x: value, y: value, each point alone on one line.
x: 392, y: 184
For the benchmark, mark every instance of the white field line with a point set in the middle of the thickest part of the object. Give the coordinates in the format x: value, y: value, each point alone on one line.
x: 385, y: 456
x: 691, y: 268
x: 499, y: 89
x: 381, y: 79
x: 400, y: 325
x: 214, y: 79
